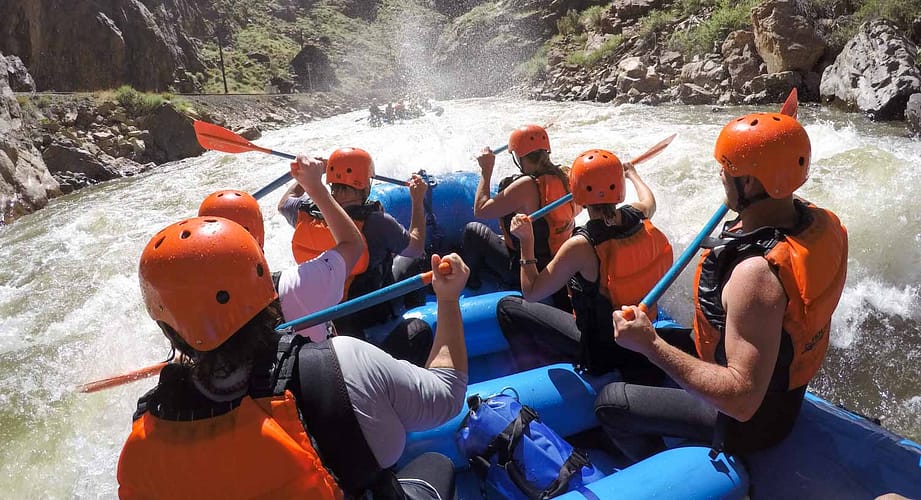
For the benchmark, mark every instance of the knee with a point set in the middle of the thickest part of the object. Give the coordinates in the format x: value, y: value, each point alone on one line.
x: 505, y: 311
x: 612, y: 405
x: 475, y: 231
x: 418, y: 331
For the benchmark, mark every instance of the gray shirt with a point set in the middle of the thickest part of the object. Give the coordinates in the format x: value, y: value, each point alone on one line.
x: 391, y: 397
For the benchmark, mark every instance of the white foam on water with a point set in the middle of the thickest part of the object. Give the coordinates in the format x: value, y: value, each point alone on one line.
x: 71, y: 312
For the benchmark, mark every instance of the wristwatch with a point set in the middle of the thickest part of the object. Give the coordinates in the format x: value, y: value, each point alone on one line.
x: 525, y: 262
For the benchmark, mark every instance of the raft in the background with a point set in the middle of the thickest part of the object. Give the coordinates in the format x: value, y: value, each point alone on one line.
x: 831, y: 453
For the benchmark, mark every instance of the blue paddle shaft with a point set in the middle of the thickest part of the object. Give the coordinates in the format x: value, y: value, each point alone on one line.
x: 391, y: 292
x: 284, y: 178
x: 499, y: 149
x: 684, y: 258
x: 551, y: 207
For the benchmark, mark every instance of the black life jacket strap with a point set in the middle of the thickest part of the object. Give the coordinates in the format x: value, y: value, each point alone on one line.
x: 328, y: 416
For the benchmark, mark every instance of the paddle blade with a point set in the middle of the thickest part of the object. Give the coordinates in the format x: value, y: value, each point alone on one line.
x: 791, y: 104
x: 125, y: 378
x: 217, y: 138
x: 655, y: 150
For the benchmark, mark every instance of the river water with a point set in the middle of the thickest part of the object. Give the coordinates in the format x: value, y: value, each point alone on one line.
x: 71, y: 310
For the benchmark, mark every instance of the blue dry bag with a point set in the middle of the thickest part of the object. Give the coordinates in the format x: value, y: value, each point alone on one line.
x: 515, y: 454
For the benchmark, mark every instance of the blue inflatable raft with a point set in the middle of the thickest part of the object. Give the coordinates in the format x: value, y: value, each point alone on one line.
x: 831, y: 453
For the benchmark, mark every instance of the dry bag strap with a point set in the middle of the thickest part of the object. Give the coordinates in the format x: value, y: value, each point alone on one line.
x: 572, y: 466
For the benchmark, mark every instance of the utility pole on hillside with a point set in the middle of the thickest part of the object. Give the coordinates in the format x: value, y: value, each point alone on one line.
x: 220, y: 51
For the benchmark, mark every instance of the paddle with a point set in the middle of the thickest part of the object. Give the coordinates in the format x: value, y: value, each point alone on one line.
x: 789, y: 108
x: 217, y: 138
x: 652, y: 152
x: 337, y: 311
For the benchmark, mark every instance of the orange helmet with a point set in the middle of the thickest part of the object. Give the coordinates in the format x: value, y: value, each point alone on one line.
x: 205, y: 277
x: 597, y: 177
x: 528, y: 139
x: 771, y: 147
x: 350, y: 166
x: 237, y: 206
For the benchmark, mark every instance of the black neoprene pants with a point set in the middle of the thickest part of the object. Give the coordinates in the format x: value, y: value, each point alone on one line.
x: 636, y: 417
x: 433, y: 469
x: 485, y: 251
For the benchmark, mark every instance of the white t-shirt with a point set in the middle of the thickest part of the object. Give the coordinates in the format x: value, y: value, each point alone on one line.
x: 310, y: 287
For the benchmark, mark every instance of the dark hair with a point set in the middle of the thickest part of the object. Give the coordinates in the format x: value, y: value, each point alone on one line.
x: 545, y: 166
x: 243, y: 346
x: 608, y: 212
x: 363, y: 193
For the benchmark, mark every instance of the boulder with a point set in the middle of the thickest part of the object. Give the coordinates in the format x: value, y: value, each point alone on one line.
x: 68, y: 160
x: 20, y: 79
x: 172, y: 136
x: 741, y: 59
x: 773, y: 87
x: 705, y: 72
x: 913, y: 115
x: 690, y: 93
x: 785, y: 39
x: 875, y: 73
x: 631, y: 10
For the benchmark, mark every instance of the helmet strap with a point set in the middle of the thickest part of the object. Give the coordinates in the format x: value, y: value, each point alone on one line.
x: 743, y: 201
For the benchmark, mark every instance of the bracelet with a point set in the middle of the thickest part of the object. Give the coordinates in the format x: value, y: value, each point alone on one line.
x: 525, y: 262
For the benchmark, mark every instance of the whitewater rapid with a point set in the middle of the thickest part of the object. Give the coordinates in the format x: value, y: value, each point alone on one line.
x: 71, y: 311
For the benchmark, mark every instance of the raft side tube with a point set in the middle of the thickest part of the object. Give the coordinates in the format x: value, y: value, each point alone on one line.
x: 564, y: 399
x: 687, y: 473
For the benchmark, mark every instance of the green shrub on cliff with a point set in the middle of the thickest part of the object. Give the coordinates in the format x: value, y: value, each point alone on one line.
x: 728, y: 16
x: 141, y: 103
x: 589, y: 58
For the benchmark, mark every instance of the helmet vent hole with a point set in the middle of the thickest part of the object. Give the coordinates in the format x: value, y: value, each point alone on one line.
x: 776, y: 118
x: 220, y: 195
x: 754, y: 122
x: 588, y: 188
x: 185, y: 234
x: 348, y: 170
x: 802, y: 161
x: 591, y: 157
x: 159, y: 242
x: 210, y: 220
x: 183, y: 223
x: 259, y: 270
x: 604, y: 156
x: 611, y: 187
x: 223, y: 297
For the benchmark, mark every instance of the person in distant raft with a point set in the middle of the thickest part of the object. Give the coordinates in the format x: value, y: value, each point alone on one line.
x: 614, y: 259
x: 765, y: 294
x: 349, y: 172
x: 539, y: 183
x: 312, y: 284
x: 249, y: 412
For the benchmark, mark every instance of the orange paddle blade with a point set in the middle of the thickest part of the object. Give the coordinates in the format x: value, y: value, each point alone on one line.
x: 217, y: 138
x: 122, y: 379
x: 791, y: 104
x: 654, y: 150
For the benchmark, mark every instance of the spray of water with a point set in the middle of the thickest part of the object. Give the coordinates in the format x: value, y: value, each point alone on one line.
x: 70, y: 308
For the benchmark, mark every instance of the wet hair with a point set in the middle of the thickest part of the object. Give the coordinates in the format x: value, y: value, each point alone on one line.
x: 257, y: 335
x: 608, y: 212
x: 363, y: 193
x: 545, y: 166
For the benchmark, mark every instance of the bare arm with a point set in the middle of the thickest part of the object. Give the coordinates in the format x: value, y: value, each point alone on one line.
x: 647, y: 201
x: 416, y: 247
x: 754, y: 300
x: 308, y: 172
x: 575, y: 255
x: 295, y: 191
x: 449, y: 350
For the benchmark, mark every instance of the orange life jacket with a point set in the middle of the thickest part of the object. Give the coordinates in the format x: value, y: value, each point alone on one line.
x: 559, y: 223
x: 258, y: 449
x: 632, y: 257
x: 313, y: 237
x: 811, y: 262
